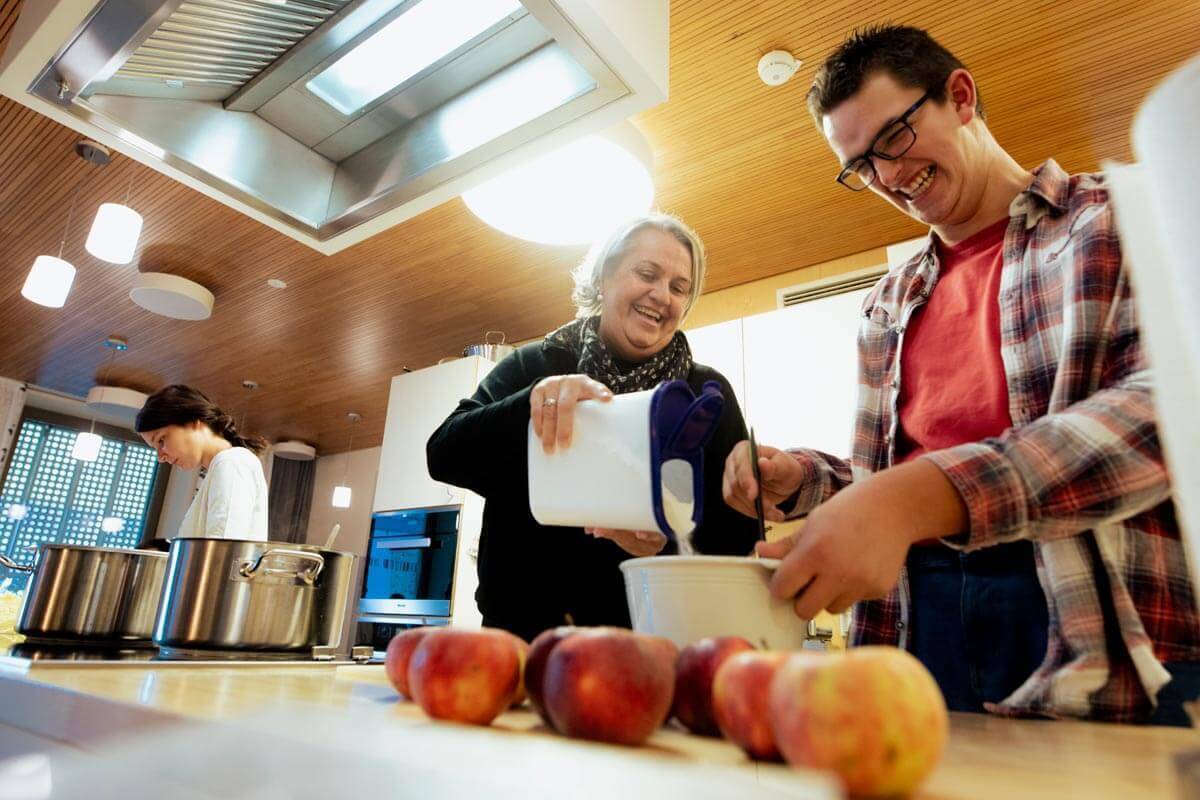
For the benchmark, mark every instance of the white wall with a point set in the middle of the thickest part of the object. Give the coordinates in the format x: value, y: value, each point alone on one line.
x: 355, y: 520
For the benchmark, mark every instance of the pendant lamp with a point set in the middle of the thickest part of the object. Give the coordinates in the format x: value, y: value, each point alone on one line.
x: 88, y: 443
x: 49, y: 280
x: 343, y: 493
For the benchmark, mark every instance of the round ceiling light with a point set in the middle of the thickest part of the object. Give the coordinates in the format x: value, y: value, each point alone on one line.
x: 116, y: 401
x: 296, y: 451
x: 171, y: 296
x: 573, y: 195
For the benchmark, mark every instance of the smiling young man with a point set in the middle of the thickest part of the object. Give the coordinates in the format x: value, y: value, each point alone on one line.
x: 1005, y: 514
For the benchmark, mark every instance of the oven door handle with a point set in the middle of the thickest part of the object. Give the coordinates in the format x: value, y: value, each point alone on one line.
x: 411, y: 543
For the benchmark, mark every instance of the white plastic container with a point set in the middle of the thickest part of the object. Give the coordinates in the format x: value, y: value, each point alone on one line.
x: 635, y: 462
x: 686, y: 598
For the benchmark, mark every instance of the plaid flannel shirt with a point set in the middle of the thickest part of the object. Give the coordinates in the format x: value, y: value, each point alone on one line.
x: 1080, y: 473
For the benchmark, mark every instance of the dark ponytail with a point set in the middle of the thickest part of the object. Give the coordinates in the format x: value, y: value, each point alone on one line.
x: 182, y: 405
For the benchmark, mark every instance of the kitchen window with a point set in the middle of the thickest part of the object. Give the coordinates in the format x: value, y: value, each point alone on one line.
x: 48, y: 496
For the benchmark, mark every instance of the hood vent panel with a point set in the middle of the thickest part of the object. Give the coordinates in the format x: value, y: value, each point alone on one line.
x: 218, y: 94
x: 216, y: 43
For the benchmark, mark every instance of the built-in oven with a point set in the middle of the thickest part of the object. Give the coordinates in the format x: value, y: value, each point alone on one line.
x: 408, y: 577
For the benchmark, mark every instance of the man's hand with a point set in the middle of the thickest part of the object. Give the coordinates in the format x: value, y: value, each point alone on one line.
x: 781, y: 476
x: 852, y: 547
x: 638, y: 543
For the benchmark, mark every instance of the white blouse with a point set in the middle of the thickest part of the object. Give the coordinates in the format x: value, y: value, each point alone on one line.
x: 231, y: 502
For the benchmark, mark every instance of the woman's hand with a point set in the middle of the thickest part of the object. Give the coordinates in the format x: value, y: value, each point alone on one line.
x: 781, y: 475
x: 638, y: 543
x: 552, y: 406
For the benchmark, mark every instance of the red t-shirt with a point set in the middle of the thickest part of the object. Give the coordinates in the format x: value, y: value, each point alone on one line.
x: 952, y: 383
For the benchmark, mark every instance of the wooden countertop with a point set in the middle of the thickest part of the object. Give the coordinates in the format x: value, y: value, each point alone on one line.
x: 988, y: 757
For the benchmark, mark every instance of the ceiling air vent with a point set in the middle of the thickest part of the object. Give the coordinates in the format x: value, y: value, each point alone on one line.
x: 828, y: 287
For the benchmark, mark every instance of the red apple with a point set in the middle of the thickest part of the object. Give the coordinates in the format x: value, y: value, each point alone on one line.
x: 535, y: 665
x: 399, y: 651
x: 523, y: 654
x: 694, y: 672
x: 874, y: 715
x: 609, y: 685
x: 465, y: 675
x: 740, y: 693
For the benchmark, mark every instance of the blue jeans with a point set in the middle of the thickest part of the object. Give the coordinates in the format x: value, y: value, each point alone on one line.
x: 979, y: 624
x: 979, y: 620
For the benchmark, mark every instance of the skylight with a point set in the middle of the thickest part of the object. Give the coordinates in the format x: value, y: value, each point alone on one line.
x: 426, y: 32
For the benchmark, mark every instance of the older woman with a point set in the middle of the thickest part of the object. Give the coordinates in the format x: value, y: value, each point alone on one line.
x: 632, y: 292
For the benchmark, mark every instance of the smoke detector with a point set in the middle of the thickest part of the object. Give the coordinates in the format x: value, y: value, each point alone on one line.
x: 777, y: 66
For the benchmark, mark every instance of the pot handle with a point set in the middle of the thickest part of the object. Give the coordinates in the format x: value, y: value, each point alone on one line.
x: 8, y: 562
x: 249, y: 569
x: 487, y: 337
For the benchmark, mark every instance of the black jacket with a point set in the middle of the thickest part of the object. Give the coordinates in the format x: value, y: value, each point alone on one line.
x: 531, y: 577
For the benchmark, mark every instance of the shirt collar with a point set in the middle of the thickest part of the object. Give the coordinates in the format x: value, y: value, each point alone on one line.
x: 1048, y: 194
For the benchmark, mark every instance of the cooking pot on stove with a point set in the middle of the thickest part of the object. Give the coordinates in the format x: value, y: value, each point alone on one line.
x: 241, y: 595
x: 492, y: 349
x: 95, y: 594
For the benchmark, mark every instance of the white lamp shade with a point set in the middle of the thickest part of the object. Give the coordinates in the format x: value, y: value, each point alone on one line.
x: 114, y: 234
x: 49, y: 282
x: 341, y: 496
x: 573, y: 195
x: 112, y: 524
x: 87, y: 446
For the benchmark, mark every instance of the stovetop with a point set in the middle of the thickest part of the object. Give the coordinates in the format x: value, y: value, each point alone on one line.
x: 42, y: 655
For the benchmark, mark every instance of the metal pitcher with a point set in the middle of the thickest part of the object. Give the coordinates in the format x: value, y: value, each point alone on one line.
x: 491, y: 350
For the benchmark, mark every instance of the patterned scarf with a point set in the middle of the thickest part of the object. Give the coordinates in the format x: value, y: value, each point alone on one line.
x: 582, y: 338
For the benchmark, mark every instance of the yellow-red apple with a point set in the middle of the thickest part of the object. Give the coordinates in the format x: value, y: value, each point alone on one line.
x: 740, y: 692
x: 875, y: 716
x: 465, y: 675
x: 523, y: 654
x: 609, y: 685
x: 694, y: 672
x: 399, y: 651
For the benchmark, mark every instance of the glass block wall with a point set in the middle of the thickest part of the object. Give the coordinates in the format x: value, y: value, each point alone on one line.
x: 48, y: 496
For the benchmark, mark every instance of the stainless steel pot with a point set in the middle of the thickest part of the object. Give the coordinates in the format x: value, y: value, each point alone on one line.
x: 230, y: 594
x: 492, y: 351
x: 99, y: 594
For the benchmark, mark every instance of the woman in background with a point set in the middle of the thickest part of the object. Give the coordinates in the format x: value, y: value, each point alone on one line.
x: 632, y: 292
x: 189, y: 431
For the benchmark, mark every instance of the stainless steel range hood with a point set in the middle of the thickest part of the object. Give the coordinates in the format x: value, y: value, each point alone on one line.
x: 229, y: 96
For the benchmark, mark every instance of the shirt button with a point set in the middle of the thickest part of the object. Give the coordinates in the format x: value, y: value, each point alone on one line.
x: 900, y: 626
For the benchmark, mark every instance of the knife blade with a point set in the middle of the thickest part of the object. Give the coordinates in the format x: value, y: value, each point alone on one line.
x: 758, y: 503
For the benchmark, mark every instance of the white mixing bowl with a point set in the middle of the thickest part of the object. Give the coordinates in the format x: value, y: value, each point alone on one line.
x: 686, y: 598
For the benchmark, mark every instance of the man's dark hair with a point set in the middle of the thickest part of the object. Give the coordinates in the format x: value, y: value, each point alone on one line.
x: 909, y: 55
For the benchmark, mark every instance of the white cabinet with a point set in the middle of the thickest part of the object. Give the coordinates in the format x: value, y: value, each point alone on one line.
x: 418, y: 403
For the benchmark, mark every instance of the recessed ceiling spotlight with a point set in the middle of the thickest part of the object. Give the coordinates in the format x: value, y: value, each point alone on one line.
x: 276, y: 283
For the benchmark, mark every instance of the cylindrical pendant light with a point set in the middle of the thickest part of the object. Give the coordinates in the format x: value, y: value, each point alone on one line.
x: 342, y: 494
x: 87, y: 446
x: 114, y: 234
x: 50, y: 278
x: 49, y: 282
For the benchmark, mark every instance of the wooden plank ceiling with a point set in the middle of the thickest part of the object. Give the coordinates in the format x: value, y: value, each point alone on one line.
x: 739, y: 160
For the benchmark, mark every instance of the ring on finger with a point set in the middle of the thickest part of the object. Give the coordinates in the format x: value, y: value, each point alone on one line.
x: 550, y: 402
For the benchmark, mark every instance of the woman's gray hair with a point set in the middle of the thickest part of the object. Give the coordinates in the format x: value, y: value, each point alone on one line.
x: 606, y: 254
